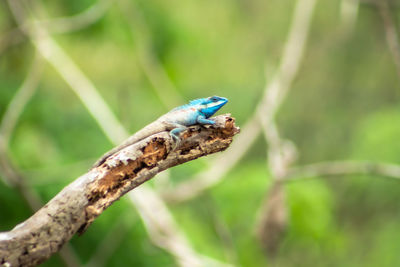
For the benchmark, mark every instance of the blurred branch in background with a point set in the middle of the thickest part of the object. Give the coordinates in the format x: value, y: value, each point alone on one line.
x: 164, y: 232
x: 331, y: 168
x: 159, y: 230
x: 273, y: 219
x: 391, y: 35
x: 97, y: 107
x: 20, y: 99
x: 71, y: 74
x: 10, y: 38
x: 7, y: 126
x: 60, y: 25
x: 9, y: 172
x: 110, y: 243
x: 348, y: 14
x: 79, y: 21
x: 11, y: 177
x: 281, y: 153
x: 149, y: 62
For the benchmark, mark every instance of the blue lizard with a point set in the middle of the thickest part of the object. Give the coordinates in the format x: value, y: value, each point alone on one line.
x: 198, y: 111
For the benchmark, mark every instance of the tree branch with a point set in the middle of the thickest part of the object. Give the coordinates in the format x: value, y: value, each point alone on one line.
x: 392, y: 38
x: 78, y: 21
x: 281, y: 153
x: 348, y: 15
x: 22, y: 96
x: 81, y: 202
x: 348, y: 167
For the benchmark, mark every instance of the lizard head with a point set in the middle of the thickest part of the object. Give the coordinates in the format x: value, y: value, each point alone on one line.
x: 208, y: 106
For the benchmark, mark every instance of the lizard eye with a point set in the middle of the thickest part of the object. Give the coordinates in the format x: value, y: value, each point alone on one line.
x: 214, y: 99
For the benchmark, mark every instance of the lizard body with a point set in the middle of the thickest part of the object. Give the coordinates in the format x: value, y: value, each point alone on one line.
x: 176, y: 121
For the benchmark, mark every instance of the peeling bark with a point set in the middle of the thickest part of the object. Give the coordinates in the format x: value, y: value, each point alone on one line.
x: 80, y: 203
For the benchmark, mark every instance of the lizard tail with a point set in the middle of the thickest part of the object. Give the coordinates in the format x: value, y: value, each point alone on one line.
x: 147, y: 131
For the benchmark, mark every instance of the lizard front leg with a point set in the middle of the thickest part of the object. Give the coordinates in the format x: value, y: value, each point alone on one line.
x: 203, y: 121
x: 179, y: 128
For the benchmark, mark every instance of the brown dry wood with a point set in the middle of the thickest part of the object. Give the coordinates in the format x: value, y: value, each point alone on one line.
x: 77, y: 205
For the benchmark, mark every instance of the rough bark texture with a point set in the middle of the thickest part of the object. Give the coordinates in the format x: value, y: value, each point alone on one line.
x: 78, y: 204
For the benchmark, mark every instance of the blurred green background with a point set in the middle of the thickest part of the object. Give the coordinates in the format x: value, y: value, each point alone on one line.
x: 343, y: 104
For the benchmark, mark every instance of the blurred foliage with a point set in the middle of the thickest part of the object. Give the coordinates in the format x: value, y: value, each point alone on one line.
x: 344, y: 104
